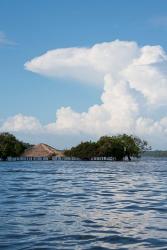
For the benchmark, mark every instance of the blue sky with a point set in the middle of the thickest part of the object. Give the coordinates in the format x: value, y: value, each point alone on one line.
x: 32, y: 28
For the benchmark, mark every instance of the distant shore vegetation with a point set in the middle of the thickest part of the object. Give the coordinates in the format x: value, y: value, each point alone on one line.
x: 117, y: 147
x: 10, y: 146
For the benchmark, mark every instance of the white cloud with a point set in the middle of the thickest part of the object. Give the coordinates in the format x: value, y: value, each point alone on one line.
x: 85, y: 64
x: 143, y: 68
x: 111, y: 116
x: 134, y: 80
x: 22, y: 123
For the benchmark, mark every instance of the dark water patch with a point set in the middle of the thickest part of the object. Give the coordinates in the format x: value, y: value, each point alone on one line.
x: 121, y: 239
x: 159, y: 242
x: 89, y: 222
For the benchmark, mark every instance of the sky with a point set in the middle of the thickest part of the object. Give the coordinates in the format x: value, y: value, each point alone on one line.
x: 77, y: 70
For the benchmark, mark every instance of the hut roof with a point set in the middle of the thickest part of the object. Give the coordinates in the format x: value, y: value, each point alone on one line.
x: 42, y: 150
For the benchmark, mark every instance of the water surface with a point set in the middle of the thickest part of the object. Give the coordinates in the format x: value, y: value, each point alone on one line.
x: 83, y: 205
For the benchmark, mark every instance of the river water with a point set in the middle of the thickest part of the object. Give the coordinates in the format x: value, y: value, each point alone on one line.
x: 83, y: 205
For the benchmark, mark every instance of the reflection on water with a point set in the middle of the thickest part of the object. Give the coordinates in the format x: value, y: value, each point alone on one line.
x: 83, y: 205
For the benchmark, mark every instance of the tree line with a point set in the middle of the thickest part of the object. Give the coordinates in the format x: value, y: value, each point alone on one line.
x: 10, y: 146
x: 118, y: 147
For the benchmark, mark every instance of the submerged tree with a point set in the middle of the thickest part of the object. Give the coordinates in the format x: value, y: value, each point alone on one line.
x: 84, y: 151
x: 117, y: 147
x: 10, y: 146
x: 133, y: 146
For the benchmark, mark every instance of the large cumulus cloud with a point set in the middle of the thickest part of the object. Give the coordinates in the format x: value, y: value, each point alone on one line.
x: 134, y: 80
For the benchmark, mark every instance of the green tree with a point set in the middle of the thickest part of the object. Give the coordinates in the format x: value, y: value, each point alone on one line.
x: 111, y: 146
x: 117, y: 147
x: 104, y: 146
x: 10, y: 146
x: 133, y: 146
x: 84, y: 151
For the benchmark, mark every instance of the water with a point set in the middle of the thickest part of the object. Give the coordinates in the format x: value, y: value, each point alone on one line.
x: 83, y: 205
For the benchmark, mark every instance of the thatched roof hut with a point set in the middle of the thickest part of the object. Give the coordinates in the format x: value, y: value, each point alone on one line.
x: 42, y: 150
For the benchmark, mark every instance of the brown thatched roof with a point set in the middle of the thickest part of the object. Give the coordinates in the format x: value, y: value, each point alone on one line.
x: 42, y: 150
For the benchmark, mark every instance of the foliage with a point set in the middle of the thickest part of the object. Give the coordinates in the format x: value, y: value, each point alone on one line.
x: 10, y: 146
x: 117, y: 147
x: 84, y: 151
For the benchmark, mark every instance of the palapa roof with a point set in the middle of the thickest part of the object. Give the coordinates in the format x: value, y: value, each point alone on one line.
x: 42, y: 150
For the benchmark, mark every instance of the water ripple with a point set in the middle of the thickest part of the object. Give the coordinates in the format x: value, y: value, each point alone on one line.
x: 83, y: 205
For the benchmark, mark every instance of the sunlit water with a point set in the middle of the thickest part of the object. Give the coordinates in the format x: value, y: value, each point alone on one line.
x: 83, y: 205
